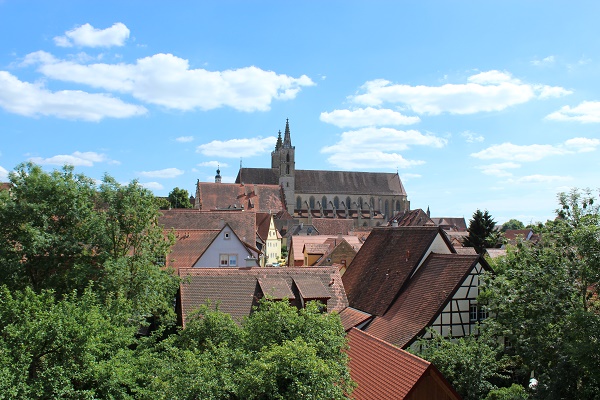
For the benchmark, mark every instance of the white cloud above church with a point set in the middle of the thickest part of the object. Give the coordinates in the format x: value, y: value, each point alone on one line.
x: 88, y: 36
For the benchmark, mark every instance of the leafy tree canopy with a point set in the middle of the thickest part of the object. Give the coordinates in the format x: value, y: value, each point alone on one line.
x: 512, y: 224
x: 179, y: 198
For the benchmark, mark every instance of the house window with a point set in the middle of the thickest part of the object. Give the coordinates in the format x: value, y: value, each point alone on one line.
x: 228, y: 260
x: 473, y: 313
x: 160, y: 260
x: 226, y: 236
x: 477, y: 313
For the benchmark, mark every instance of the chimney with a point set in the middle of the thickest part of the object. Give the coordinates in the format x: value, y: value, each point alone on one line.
x: 251, y: 262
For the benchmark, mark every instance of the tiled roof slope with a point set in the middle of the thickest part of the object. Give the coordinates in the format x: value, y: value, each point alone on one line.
x: 348, y: 182
x: 351, y: 318
x: 384, y: 263
x: 451, y: 223
x: 263, y: 222
x: 416, y: 217
x: 189, y: 245
x: 298, y: 243
x: 252, y: 197
x: 383, y: 372
x: 329, y: 182
x: 425, y: 296
x: 236, y: 290
x: 329, y: 226
x: 242, y: 222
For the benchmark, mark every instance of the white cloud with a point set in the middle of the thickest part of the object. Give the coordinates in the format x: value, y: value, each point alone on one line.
x: 471, y: 137
x: 371, y: 160
x: 162, y: 173
x: 168, y: 81
x: 77, y: 159
x: 185, y: 139
x: 485, y: 91
x: 369, y: 148
x: 236, y: 148
x: 382, y: 139
x: 367, y: 117
x: 152, y: 185
x: 407, y: 177
x: 544, y: 61
x: 87, y: 35
x: 513, y: 152
x: 32, y: 100
x: 536, y: 152
x: 499, y: 169
x: 587, y: 111
x: 3, y: 174
x: 214, y: 164
x: 583, y: 145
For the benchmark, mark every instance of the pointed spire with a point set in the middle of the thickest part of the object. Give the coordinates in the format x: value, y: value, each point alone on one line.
x: 287, y: 139
x: 279, y: 144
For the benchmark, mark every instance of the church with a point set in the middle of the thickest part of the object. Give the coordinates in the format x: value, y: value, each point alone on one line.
x: 369, y: 198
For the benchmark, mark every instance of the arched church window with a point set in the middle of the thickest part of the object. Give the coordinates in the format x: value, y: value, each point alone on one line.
x: 287, y: 169
x: 324, y: 202
x: 336, y: 202
x: 397, y: 206
x: 311, y: 202
x: 372, y: 201
x: 287, y: 157
x: 298, y: 202
x: 387, y: 208
x: 360, y: 202
x: 348, y: 202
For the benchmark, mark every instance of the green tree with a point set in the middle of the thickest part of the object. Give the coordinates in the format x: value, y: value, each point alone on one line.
x: 179, y: 198
x: 482, y: 232
x: 512, y: 224
x: 545, y: 304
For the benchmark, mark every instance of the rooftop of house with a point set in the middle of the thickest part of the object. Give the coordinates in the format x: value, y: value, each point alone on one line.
x: 227, y: 196
x: 242, y: 222
x: 416, y: 217
x: 298, y: 242
x: 423, y: 298
x: 333, y: 226
x: 189, y: 245
x: 383, y: 371
x: 451, y: 223
x: 385, y: 261
x: 352, y: 318
x: 237, y: 290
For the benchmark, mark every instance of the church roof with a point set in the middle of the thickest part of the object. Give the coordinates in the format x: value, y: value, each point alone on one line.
x: 251, y: 197
x: 329, y: 182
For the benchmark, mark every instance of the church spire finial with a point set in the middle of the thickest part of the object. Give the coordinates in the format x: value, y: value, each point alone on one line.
x: 287, y: 139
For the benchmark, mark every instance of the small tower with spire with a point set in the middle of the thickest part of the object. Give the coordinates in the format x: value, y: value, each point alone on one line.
x: 283, y: 159
x: 218, y: 175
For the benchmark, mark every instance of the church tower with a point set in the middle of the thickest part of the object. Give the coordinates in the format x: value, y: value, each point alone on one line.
x: 283, y: 158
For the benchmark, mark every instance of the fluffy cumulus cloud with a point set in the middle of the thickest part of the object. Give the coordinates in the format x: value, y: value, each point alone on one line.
x: 162, y: 173
x: 485, y: 91
x: 236, y: 148
x: 367, y: 117
x: 3, y: 174
x: 536, y: 152
x: 587, y: 111
x: 77, y: 159
x: 88, y: 36
x: 34, y: 100
x: 168, y: 81
x: 185, y: 139
x: 370, y: 148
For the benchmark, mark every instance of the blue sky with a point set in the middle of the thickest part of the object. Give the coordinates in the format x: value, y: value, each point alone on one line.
x: 492, y: 105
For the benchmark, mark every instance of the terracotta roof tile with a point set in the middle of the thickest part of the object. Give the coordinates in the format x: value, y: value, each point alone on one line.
x: 424, y: 297
x: 416, y: 217
x: 383, y: 371
x: 384, y: 263
x: 329, y: 226
x: 351, y: 317
x: 298, y: 243
x: 236, y: 290
x: 189, y: 245
x: 242, y: 222
x: 253, y: 197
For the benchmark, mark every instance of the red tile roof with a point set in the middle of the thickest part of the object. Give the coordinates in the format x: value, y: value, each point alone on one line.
x: 329, y: 226
x: 351, y: 317
x: 189, y: 245
x: 236, y: 290
x: 242, y: 222
x: 384, y: 263
x: 416, y: 217
x: 424, y: 297
x: 219, y: 196
x: 383, y: 371
x: 263, y: 222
